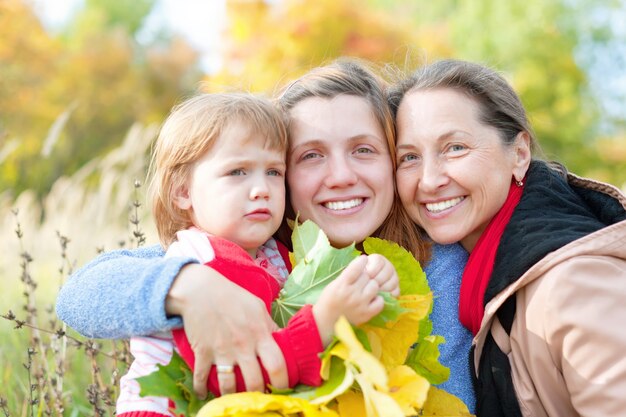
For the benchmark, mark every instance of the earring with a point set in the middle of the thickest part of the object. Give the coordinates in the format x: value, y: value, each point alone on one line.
x: 519, y: 183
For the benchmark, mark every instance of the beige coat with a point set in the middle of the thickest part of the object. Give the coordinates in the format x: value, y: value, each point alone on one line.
x: 568, y: 356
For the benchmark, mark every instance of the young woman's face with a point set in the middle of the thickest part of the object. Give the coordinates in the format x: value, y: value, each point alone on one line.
x: 454, y: 172
x: 339, y: 172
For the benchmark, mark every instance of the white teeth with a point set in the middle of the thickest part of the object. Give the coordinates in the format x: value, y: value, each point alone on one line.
x: 443, y: 205
x: 343, y: 205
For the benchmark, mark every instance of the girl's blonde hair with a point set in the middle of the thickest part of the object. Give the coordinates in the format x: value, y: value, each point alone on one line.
x: 189, y: 132
x: 348, y: 76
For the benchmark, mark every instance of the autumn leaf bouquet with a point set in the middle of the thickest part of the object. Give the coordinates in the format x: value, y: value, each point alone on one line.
x: 385, y: 367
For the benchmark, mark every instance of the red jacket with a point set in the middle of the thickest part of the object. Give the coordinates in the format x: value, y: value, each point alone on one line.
x: 299, y: 342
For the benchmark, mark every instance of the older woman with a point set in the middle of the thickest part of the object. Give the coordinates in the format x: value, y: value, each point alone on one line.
x: 544, y: 288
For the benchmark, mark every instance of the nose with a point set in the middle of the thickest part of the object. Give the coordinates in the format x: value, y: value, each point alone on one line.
x: 260, y: 189
x: 340, y: 172
x: 434, y: 175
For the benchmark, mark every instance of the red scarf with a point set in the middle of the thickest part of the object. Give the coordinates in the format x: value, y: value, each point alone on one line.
x: 480, y: 263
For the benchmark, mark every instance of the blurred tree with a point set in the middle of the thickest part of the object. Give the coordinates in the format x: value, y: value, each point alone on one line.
x: 27, y: 63
x: 267, y: 45
x: 67, y: 99
x: 533, y: 42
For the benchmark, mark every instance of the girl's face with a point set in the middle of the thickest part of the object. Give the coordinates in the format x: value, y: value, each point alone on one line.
x: 237, y: 190
x: 339, y: 173
x: 454, y: 172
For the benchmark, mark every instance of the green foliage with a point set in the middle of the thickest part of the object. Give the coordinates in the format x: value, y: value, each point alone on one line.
x: 66, y: 99
x: 410, y: 274
x: 317, y: 264
x: 424, y: 360
x: 128, y: 15
x: 174, y: 381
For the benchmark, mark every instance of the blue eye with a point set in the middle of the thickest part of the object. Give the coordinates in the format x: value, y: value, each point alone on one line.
x: 457, y: 148
x: 409, y: 157
x: 311, y: 155
x: 274, y: 173
x: 237, y: 172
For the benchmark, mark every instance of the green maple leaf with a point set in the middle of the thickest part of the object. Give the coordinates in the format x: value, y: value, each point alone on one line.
x: 317, y: 264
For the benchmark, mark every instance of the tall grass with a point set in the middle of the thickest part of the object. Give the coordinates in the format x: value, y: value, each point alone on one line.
x: 45, y: 368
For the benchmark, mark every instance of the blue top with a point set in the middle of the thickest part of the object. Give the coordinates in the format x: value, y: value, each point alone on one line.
x: 122, y: 294
x: 444, y: 273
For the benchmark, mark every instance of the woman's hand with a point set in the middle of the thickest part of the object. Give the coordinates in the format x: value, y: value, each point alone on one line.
x: 225, y: 325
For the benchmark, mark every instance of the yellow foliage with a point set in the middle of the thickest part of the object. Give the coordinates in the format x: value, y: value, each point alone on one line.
x: 394, y: 342
x: 440, y: 403
x: 244, y: 404
x: 408, y: 389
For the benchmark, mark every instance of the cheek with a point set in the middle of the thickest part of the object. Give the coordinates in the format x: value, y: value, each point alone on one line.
x: 406, y: 185
x: 298, y: 186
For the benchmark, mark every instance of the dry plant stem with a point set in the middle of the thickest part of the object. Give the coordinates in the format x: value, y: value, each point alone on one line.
x: 5, y: 407
x: 31, y: 313
x: 138, y: 235
x: 31, y: 387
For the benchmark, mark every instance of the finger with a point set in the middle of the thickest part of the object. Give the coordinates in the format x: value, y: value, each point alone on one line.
x: 391, y: 285
x: 370, y: 290
x: 226, y: 381
x: 375, y: 264
x: 251, y: 372
x: 201, y: 375
x: 354, y: 269
x: 273, y: 361
x: 377, y: 305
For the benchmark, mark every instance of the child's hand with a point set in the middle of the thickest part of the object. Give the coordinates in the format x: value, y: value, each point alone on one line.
x: 353, y: 294
x: 380, y: 269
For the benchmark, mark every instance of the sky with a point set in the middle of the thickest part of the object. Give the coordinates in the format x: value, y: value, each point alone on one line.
x: 199, y: 21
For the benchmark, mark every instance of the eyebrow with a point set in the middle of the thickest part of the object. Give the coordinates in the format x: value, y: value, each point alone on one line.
x: 440, y: 138
x: 354, y: 138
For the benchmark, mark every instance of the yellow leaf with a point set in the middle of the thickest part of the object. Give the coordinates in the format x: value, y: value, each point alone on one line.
x: 377, y: 403
x: 397, y: 338
x: 258, y: 404
x: 351, y: 403
x: 442, y: 404
x: 408, y: 389
x: 368, y: 365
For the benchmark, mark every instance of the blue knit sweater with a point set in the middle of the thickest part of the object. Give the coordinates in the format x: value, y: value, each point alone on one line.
x: 122, y: 294
x: 444, y: 273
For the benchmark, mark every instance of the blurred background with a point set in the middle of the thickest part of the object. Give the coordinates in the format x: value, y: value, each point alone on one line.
x: 84, y: 85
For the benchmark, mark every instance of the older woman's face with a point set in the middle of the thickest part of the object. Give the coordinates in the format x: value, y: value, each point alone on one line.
x: 454, y: 172
x: 339, y: 170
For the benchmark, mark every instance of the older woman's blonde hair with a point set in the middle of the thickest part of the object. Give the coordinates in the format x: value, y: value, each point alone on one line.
x: 190, y: 131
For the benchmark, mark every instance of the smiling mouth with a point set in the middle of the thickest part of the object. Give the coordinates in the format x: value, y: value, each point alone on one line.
x: 343, y: 205
x: 443, y: 205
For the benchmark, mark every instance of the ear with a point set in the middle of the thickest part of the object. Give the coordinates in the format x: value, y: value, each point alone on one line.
x: 181, y: 197
x: 522, y: 155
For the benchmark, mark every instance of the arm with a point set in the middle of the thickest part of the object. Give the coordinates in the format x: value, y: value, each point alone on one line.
x: 353, y: 294
x: 585, y: 332
x: 120, y: 294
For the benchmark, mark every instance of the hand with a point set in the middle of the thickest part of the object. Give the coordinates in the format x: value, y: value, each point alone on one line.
x: 352, y: 294
x: 225, y: 325
x: 379, y: 268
